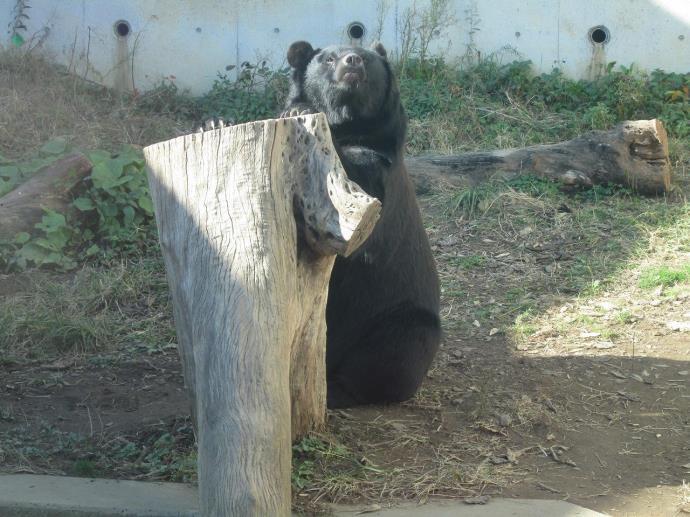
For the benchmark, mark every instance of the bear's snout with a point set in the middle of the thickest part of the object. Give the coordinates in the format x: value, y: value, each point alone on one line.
x: 353, y: 59
x: 350, y: 69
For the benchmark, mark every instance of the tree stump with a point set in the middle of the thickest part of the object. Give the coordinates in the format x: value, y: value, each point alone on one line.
x: 250, y: 218
x: 633, y: 154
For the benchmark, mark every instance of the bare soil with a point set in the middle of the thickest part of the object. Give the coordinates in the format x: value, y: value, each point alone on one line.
x: 559, y: 412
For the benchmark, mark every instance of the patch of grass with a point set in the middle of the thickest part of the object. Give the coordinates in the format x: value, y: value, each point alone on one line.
x: 625, y: 317
x: 162, y: 451
x: 47, y: 102
x: 84, y: 468
x: 324, y: 465
x: 469, y: 201
x: 524, y: 325
x: 469, y: 262
x: 92, y: 310
x: 534, y: 185
x: 664, y: 276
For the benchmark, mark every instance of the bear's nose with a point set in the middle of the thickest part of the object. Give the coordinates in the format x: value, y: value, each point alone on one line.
x: 353, y: 59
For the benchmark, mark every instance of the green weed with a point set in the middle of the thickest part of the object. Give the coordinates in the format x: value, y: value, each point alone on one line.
x: 114, y: 216
x: 469, y: 201
x: 257, y: 94
x: 664, y: 276
x: 470, y: 262
x: 93, y: 310
x: 534, y: 185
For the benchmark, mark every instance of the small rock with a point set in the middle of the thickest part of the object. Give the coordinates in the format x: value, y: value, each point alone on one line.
x: 479, y: 499
x: 679, y: 326
x: 589, y: 334
x: 504, y: 419
x: 448, y: 240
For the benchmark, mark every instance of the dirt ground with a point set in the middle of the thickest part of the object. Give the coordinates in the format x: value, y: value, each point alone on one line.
x: 559, y: 377
x: 561, y: 412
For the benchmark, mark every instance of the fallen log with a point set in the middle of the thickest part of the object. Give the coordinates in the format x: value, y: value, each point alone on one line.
x: 633, y: 154
x: 250, y: 218
x: 49, y: 188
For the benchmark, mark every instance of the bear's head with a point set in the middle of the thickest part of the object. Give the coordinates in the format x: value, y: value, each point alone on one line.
x: 345, y: 83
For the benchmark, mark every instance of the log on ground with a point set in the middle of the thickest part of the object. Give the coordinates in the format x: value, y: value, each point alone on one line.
x: 49, y: 188
x: 634, y: 154
x: 250, y: 218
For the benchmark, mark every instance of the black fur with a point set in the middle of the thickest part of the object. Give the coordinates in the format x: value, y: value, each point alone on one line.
x: 299, y: 55
x: 383, y: 302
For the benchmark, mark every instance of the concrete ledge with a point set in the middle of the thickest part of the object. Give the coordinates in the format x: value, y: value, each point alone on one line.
x: 25, y: 495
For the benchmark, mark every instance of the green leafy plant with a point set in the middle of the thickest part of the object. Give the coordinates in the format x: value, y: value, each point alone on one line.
x: 113, y: 215
x: 120, y: 197
x: 257, y: 94
x: 49, y: 248
x: 17, y: 25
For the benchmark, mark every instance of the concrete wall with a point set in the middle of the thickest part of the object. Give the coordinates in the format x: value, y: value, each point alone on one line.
x: 192, y: 40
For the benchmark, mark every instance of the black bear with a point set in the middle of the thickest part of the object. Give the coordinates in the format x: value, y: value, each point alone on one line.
x: 382, y: 313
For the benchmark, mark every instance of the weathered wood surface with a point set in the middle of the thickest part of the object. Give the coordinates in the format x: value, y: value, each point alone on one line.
x: 250, y: 218
x: 49, y: 188
x: 633, y: 154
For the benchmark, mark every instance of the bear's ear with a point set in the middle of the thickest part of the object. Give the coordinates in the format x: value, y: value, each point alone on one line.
x: 299, y: 54
x: 378, y: 47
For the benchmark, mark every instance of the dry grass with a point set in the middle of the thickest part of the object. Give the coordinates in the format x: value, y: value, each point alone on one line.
x: 39, y: 101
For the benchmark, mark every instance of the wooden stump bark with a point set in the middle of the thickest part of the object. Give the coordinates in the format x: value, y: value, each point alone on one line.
x: 51, y: 187
x: 250, y: 218
x: 633, y: 154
